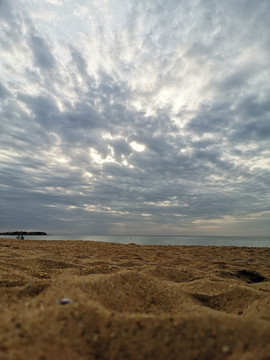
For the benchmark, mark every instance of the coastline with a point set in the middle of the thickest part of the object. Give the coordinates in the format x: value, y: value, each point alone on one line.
x: 133, y: 301
x: 247, y: 241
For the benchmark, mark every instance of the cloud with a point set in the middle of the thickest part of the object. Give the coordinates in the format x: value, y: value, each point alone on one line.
x: 135, y: 117
x: 4, y: 93
x: 41, y: 52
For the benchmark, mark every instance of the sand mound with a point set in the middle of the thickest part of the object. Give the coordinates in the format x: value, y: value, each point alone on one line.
x: 127, y: 292
x: 86, y: 300
x: 232, y: 301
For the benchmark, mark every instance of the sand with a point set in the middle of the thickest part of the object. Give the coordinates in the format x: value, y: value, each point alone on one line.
x: 132, y: 301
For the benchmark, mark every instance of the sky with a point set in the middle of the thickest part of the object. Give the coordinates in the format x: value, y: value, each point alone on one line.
x: 135, y: 117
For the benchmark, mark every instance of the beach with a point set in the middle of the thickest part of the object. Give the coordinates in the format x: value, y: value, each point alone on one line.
x: 94, y: 300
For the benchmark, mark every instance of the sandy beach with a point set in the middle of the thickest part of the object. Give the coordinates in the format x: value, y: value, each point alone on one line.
x: 92, y: 300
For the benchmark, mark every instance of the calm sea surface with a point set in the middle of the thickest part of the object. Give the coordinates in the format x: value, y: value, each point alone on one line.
x: 162, y: 240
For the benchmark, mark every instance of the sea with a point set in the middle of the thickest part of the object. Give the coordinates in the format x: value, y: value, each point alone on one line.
x: 247, y: 241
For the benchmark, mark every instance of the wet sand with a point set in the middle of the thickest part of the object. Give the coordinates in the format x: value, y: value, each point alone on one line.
x: 133, y: 301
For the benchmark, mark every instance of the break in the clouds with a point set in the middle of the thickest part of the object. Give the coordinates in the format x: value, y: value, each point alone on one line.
x: 135, y: 117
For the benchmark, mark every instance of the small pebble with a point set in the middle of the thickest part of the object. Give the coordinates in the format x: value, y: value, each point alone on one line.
x: 64, y: 301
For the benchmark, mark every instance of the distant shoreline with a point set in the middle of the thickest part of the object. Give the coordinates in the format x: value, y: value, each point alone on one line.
x: 24, y: 233
x: 156, y: 240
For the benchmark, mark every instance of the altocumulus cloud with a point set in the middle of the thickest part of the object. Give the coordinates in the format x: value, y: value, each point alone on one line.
x: 135, y: 117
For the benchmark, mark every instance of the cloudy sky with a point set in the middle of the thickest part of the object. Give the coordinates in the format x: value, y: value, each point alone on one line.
x: 135, y: 116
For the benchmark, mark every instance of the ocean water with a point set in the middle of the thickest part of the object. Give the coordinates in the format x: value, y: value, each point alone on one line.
x: 162, y: 240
